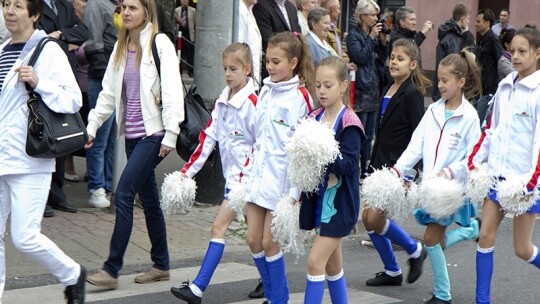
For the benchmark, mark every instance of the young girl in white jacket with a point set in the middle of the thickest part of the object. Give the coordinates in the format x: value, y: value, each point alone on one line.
x: 510, y: 145
x: 232, y: 127
x: 282, y: 102
x: 443, y: 139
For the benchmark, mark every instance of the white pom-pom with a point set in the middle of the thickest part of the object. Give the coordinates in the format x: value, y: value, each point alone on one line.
x: 479, y: 183
x: 309, y: 152
x: 511, y: 196
x: 441, y: 197
x: 177, y: 193
x: 384, y: 190
x: 412, y: 195
x: 237, y: 199
x: 285, y: 226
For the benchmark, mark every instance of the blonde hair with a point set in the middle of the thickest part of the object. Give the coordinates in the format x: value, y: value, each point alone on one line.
x: 342, y: 72
x: 241, y: 52
x: 150, y: 9
x: 463, y: 65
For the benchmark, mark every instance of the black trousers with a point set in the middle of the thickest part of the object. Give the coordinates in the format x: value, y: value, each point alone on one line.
x: 56, y: 194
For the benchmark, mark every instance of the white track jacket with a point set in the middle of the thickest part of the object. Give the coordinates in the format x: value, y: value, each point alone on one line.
x: 442, y: 145
x: 511, y: 141
x: 232, y: 127
x: 280, y: 107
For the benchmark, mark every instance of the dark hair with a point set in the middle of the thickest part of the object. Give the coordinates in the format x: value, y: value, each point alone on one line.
x: 505, y: 10
x: 295, y: 46
x: 463, y: 65
x: 411, y: 49
x: 506, y: 35
x: 241, y: 52
x: 315, y: 15
x: 488, y: 16
x: 34, y: 8
x: 532, y: 35
x: 341, y: 69
x: 459, y: 11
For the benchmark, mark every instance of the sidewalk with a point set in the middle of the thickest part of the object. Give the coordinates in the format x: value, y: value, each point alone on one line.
x: 85, y: 235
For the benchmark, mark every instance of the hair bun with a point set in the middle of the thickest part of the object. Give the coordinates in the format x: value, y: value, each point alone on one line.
x: 530, y: 25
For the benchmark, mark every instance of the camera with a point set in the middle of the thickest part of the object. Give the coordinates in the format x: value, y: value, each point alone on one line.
x: 384, y: 29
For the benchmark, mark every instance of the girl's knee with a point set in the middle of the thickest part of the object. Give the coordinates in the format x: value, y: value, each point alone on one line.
x: 486, y: 239
x: 254, y: 243
x: 523, y: 252
x: 218, y: 230
x: 315, y: 265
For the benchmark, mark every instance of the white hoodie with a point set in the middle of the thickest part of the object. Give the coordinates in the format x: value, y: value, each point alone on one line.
x: 511, y: 141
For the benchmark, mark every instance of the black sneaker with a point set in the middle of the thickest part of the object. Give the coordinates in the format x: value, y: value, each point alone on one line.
x: 436, y: 300
x: 49, y: 212
x: 382, y: 279
x: 258, y: 292
x: 415, y: 266
x: 184, y: 293
x: 75, y: 293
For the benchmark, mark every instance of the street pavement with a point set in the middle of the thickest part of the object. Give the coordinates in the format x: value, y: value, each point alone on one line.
x: 85, y: 237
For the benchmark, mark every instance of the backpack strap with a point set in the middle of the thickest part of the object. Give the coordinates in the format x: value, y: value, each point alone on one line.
x: 155, y: 54
x: 306, y: 97
x: 35, y: 55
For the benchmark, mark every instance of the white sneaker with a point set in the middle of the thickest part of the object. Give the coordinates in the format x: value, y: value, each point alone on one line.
x: 98, y: 198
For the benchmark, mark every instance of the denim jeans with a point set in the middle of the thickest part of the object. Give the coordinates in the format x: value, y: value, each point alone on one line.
x: 369, y: 121
x: 482, y: 107
x: 139, y: 177
x: 99, y: 159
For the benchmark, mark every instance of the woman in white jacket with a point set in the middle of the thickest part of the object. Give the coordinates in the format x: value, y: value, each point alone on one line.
x: 442, y: 140
x: 150, y: 123
x: 25, y: 181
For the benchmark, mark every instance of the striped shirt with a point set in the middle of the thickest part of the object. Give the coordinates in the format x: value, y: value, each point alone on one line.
x: 9, y: 55
x: 134, y: 118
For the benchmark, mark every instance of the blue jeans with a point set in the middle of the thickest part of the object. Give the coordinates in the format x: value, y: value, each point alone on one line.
x: 99, y: 159
x: 139, y: 177
x: 369, y: 121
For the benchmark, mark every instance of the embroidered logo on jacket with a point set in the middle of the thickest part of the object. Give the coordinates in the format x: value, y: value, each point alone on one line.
x: 522, y: 114
x: 236, y: 134
x: 280, y: 122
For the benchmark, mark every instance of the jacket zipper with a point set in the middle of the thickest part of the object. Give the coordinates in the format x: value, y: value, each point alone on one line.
x: 440, y: 137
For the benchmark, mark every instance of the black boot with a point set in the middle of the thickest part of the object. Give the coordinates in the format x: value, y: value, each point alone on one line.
x: 258, y: 292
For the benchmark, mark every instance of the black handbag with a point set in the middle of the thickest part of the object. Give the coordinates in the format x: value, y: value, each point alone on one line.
x: 51, y: 134
x: 196, y: 115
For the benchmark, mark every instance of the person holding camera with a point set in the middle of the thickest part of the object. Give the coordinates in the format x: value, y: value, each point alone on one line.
x: 367, y: 43
x: 406, y: 27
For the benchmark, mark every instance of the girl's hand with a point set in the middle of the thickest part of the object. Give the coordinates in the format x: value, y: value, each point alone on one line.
x: 27, y: 74
x: 375, y: 30
x: 183, y: 175
x: 89, y: 142
x: 165, y: 150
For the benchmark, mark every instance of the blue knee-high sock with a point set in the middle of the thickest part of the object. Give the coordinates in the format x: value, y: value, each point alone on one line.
x: 337, y: 286
x: 395, y: 233
x: 457, y: 235
x: 484, y: 270
x: 384, y: 248
x: 440, y: 272
x: 262, y: 267
x: 210, y: 263
x: 535, y: 258
x: 278, y: 279
x: 314, y: 289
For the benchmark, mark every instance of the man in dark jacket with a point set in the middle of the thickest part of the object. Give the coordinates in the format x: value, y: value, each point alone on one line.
x: 488, y: 52
x: 406, y: 22
x: 60, y: 22
x: 271, y: 19
x: 453, y: 36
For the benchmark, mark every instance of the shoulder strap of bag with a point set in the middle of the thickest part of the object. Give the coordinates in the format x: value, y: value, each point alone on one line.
x: 35, y: 55
x: 155, y: 54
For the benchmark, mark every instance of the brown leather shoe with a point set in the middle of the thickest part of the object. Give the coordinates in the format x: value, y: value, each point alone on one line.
x: 102, y: 279
x: 153, y: 275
